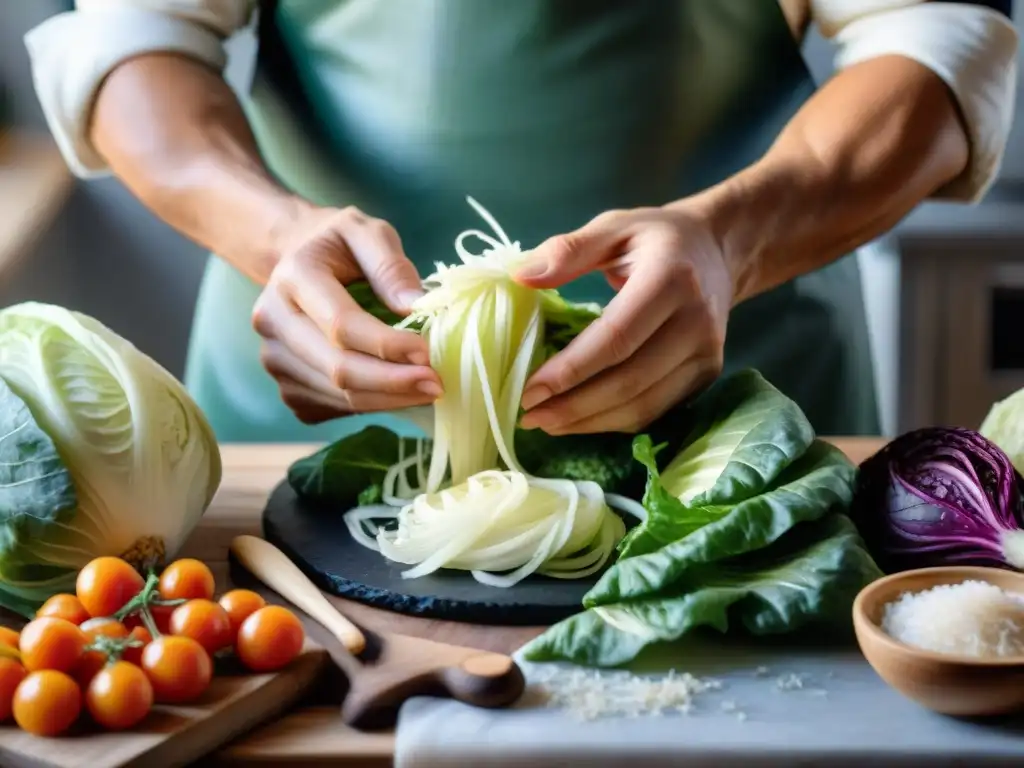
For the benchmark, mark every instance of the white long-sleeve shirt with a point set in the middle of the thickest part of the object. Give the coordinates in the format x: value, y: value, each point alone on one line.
x: 972, y: 46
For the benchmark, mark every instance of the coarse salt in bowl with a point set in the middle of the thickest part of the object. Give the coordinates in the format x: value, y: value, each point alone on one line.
x: 971, y: 618
x: 949, y: 638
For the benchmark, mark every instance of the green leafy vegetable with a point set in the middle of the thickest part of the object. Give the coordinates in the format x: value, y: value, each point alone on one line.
x: 367, y: 300
x: 744, y: 434
x: 345, y: 470
x: 605, y: 459
x: 743, y: 527
x: 820, y: 481
x: 564, y: 320
x: 373, y: 494
x: 811, y: 576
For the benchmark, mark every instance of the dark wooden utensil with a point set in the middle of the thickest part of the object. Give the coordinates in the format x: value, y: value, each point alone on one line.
x: 391, y: 668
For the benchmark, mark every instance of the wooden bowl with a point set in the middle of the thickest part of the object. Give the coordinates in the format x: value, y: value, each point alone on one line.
x: 946, y: 683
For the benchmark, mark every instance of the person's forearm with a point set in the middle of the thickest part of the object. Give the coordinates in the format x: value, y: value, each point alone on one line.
x: 173, y: 131
x: 874, y: 142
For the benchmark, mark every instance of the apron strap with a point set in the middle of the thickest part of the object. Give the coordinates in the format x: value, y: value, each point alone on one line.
x: 275, y: 65
x: 276, y: 68
x: 267, y: 10
x: 272, y: 60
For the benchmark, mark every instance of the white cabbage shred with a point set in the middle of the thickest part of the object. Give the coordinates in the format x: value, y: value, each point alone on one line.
x: 472, y: 507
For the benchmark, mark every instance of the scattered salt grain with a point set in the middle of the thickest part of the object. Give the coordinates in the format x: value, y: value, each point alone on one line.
x: 790, y: 682
x: 593, y: 694
x: 587, y: 694
x: 972, y: 618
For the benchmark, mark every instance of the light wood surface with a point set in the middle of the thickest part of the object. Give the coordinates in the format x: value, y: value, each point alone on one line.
x: 315, y: 735
x: 34, y: 183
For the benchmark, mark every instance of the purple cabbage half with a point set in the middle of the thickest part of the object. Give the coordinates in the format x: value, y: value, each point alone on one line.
x: 940, y: 496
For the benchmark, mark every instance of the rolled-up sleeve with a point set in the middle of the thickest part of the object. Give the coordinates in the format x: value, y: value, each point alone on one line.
x: 972, y: 46
x: 72, y: 53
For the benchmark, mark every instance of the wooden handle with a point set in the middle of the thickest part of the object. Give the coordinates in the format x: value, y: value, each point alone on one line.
x: 271, y: 566
x: 423, y: 668
x: 485, y: 680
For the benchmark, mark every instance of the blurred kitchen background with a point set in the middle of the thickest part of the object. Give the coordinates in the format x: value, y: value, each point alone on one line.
x: 945, y: 290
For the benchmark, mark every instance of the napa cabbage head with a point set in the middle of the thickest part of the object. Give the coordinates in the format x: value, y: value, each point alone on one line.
x: 102, y: 453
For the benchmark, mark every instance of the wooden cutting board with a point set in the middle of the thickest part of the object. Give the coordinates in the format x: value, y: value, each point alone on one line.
x: 173, y: 736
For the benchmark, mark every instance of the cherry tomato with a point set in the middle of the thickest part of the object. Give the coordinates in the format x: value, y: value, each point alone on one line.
x: 105, y: 626
x: 187, y: 579
x: 47, y: 703
x: 67, y: 607
x: 50, y: 643
x: 205, y: 622
x: 178, y: 667
x: 269, y: 639
x: 119, y: 696
x: 240, y: 604
x: 9, y: 637
x: 11, y: 675
x: 134, y: 655
x: 106, y: 584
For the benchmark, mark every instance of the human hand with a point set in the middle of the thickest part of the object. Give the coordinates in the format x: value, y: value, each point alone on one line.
x: 329, y: 357
x: 660, y: 339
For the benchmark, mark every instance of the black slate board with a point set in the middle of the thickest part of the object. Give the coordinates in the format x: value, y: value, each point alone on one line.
x: 317, y: 540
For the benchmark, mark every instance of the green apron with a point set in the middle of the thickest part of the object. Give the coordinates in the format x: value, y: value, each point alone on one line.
x: 548, y: 112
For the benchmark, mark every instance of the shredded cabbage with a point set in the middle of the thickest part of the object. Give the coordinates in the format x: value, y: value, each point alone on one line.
x: 499, y: 521
x: 484, y: 332
x: 473, y: 507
